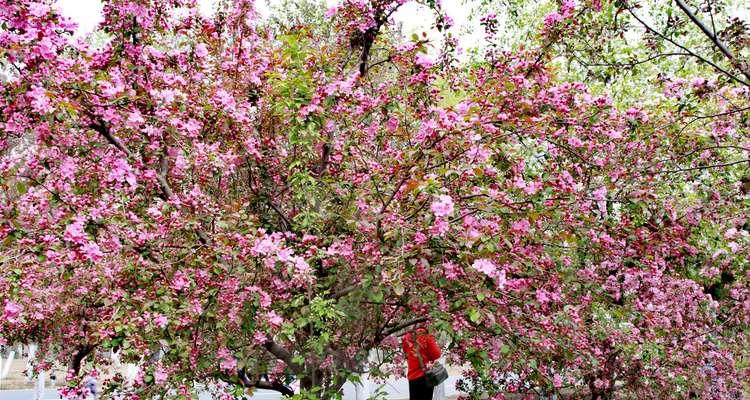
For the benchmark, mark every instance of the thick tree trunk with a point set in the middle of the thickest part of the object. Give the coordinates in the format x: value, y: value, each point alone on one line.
x: 75, y: 363
x: 328, y: 386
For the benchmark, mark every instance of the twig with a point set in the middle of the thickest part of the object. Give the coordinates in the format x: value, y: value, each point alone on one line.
x: 710, y: 34
x: 692, y: 53
x: 406, y: 324
x: 703, y: 167
x: 101, y: 127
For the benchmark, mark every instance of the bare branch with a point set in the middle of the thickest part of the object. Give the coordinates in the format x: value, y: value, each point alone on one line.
x: 728, y: 164
x: 284, y: 355
x: 162, y: 177
x: 633, y: 63
x: 403, y: 325
x: 343, y: 292
x: 75, y: 363
x: 710, y: 34
x: 101, y: 127
x: 692, y: 53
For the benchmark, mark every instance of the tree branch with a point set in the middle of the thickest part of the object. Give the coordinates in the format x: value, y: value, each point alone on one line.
x: 406, y: 324
x: 710, y: 35
x: 692, y: 53
x: 633, y: 63
x: 75, y: 363
x: 343, y: 292
x: 283, y: 354
x: 245, y: 381
x: 703, y: 167
x: 162, y: 177
x: 101, y: 127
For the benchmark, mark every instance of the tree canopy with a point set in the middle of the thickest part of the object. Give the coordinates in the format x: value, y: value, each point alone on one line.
x: 218, y: 198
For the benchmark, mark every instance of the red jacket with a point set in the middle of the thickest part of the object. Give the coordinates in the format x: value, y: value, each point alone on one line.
x: 429, y: 350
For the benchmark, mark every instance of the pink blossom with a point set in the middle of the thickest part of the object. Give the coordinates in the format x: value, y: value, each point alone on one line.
x: 225, y: 99
x: 501, y: 279
x: 68, y: 168
x: 192, y: 127
x: 420, y: 238
x: 340, y: 248
x: 74, y: 232
x: 521, y: 226
x: 274, y: 319
x: 135, y: 119
x: 259, y: 338
x: 532, y: 187
x: 567, y: 8
x: 542, y: 296
x: 452, y: 270
x: 160, y: 320
x: 599, y: 194
x: 252, y: 146
x: 478, y: 154
x: 92, y: 251
x: 300, y: 265
x: 519, y: 183
x: 201, y: 50
x: 11, y: 311
x: 196, y: 307
x: 228, y: 363
x: 424, y: 60
x: 391, y: 124
x: 557, y: 381
x: 285, y: 255
x: 614, y: 133
x: 484, y: 266
x: 160, y: 374
x: 442, y: 206
x: 39, y: 10
x: 552, y: 19
x: 331, y: 11
x: 574, y: 141
x: 439, y: 227
x: 39, y: 100
x: 233, y: 137
x: 265, y: 246
x: 122, y: 172
x: 180, y: 281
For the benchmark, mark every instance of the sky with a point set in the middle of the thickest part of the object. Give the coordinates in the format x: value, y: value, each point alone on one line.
x: 415, y: 18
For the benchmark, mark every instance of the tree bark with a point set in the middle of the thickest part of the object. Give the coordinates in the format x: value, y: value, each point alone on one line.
x: 75, y: 363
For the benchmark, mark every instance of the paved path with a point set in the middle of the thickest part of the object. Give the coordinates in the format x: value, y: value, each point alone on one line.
x: 396, y: 389
x: 51, y: 394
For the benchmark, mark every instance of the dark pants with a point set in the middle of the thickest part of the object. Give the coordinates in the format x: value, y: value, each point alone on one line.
x: 419, y: 390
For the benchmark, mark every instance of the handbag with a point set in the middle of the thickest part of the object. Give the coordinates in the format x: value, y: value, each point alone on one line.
x: 434, y: 376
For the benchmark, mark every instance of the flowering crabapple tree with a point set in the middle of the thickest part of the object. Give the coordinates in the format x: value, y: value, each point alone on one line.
x: 220, y: 200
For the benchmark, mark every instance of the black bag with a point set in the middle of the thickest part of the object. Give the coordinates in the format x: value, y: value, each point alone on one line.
x: 434, y: 376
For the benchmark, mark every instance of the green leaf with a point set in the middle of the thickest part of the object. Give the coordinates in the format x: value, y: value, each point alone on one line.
x: 505, y: 349
x: 398, y: 289
x: 298, y: 359
x: 474, y: 316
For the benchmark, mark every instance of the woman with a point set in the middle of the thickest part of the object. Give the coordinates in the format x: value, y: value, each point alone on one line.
x: 429, y: 351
